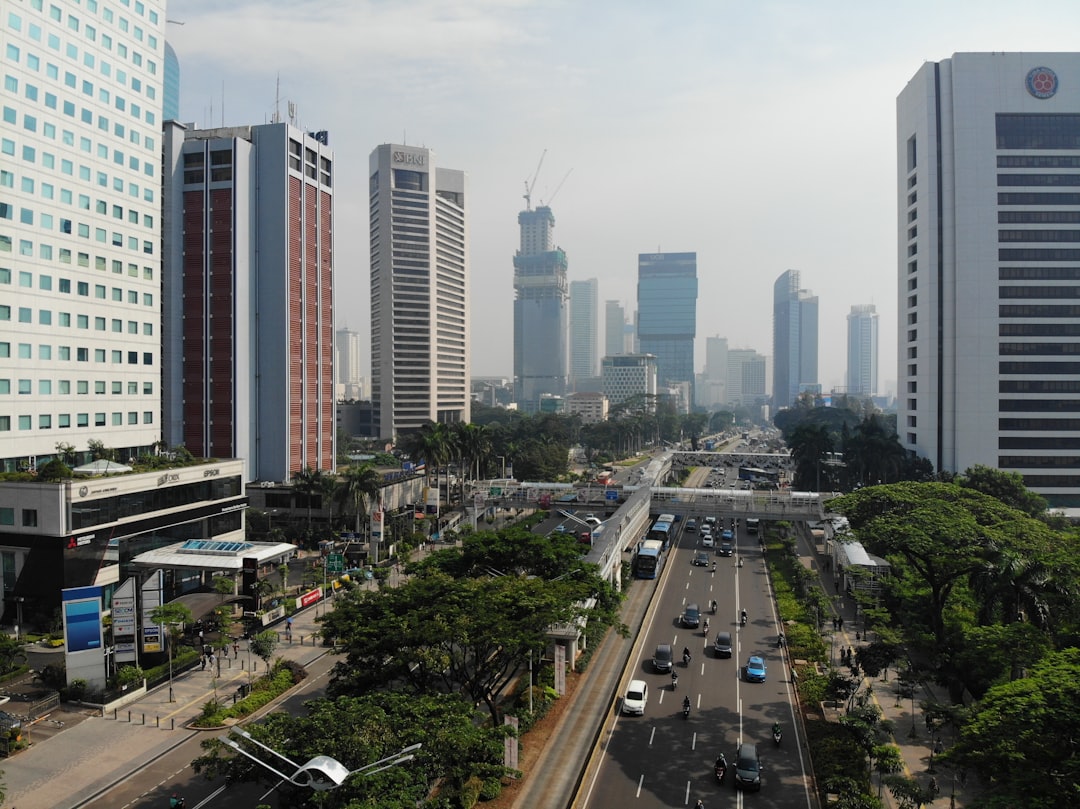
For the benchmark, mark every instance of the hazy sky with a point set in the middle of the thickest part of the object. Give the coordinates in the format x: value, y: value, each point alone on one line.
x: 759, y: 134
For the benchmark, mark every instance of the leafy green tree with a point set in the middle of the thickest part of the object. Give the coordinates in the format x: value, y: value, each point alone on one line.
x: 887, y: 760
x: 513, y: 550
x: 909, y: 793
x: 434, y: 633
x: 311, y: 483
x: 12, y: 654
x: 173, y: 616
x: 1021, y: 736
x: 1008, y: 487
x: 54, y: 471
x: 263, y: 645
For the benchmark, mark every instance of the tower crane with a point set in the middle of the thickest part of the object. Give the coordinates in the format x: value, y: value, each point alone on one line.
x: 530, y: 183
x: 556, y: 191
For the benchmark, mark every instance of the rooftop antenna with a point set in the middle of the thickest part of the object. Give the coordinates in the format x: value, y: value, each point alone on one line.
x: 276, y: 119
x: 223, y: 102
x: 530, y: 183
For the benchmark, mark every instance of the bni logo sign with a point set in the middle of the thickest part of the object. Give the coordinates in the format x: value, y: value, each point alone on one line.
x: 1042, y: 82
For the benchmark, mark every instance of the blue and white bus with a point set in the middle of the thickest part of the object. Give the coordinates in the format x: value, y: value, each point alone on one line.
x: 662, y: 531
x: 647, y: 560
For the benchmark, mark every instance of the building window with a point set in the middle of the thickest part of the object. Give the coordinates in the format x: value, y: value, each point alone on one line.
x: 29, y: 518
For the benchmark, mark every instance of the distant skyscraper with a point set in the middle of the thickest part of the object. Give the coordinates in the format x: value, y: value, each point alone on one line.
x: 540, y: 312
x: 988, y: 169
x: 746, y: 377
x: 614, y: 329
x: 712, y: 381
x: 795, y: 339
x: 667, y: 314
x: 419, y: 291
x: 170, y: 91
x: 347, y: 346
x: 862, y: 351
x: 584, y: 314
x: 249, y: 299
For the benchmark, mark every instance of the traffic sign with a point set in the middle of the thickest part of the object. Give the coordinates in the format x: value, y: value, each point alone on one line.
x: 335, y: 563
x: 611, y: 494
x: 495, y: 491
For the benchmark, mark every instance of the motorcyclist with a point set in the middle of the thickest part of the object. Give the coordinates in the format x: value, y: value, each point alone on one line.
x: 686, y: 704
x: 674, y: 679
x: 685, y: 655
x: 714, y: 566
x: 706, y: 626
x: 780, y: 640
x: 742, y: 617
x: 714, y: 606
x: 176, y: 802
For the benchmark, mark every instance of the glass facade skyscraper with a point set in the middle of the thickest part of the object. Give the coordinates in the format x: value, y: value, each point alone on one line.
x: 795, y: 340
x: 667, y: 314
x: 862, y: 351
x: 584, y: 314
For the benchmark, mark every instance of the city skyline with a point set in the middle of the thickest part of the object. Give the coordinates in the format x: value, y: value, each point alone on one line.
x: 685, y: 145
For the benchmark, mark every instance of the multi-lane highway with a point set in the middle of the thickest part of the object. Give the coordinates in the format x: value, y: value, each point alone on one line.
x: 664, y: 759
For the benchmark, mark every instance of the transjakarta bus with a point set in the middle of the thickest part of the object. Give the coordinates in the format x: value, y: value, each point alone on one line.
x: 758, y: 475
x: 668, y: 518
x: 647, y: 560
x: 661, y: 531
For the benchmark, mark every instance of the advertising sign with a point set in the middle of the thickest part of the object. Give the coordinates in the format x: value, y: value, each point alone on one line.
x: 309, y: 598
x: 123, y: 621
x: 151, y: 600
x: 82, y: 625
x: 376, y: 525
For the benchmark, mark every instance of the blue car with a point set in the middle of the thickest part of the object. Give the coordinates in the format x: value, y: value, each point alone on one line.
x: 755, y: 670
x: 727, y: 535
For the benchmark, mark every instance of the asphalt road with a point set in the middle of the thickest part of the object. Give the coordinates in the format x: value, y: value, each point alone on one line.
x: 663, y: 760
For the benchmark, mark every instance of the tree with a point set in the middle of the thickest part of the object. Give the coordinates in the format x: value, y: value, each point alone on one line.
x: 311, y: 482
x: 1028, y: 729
x: 1008, y: 487
x: 809, y: 445
x: 173, y: 616
x: 359, y: 485
x: 263, y: 645
x: 12, y: 654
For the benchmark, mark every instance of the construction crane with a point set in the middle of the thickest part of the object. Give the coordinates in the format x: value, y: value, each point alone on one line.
x: 556, y: 191
x: 530, y: 183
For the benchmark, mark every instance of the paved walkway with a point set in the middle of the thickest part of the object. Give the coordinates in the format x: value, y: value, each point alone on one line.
x: 903, y: 710
x: 68, y: 766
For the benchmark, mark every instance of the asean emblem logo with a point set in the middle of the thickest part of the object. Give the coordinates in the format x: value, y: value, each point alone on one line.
x: 1042, y: 82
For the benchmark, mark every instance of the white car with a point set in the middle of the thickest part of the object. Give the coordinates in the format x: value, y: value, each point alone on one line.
x: 707, y: 541
x: 637, y: 696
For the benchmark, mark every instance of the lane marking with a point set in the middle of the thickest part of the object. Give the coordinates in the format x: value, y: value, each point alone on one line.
x: 640, y: 781
x: 652, y: 736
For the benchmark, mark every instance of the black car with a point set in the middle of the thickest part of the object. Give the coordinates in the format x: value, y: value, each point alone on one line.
x: 701, y: 559
x: 726, y: 549
x: 691, y: 617
x: 747, y: 767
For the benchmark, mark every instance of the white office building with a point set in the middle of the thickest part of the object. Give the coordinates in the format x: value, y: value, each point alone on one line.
x: 628, y: 375
x: 419, y: 291
x: 988, y: 172
x: 862, y: 350
x: 80, y: 229
x: 584, y: 317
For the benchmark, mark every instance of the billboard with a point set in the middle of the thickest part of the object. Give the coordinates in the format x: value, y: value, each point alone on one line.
x: 152, y: 599
x: 123, y: 620
x: 84, y: 637
x: 376, y: 525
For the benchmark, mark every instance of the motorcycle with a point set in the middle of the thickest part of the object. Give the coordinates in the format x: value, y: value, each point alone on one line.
x: 177, y: 802
x: 777, y: 733
x: 686, y: 708
x: 712, y: 608
x: 686, y: 658
x: 674, y: 680
x: 740, y: 561
x: 780, y: 641
x: 720, y: 768
x: 705, y: 628
x: 742, y: 618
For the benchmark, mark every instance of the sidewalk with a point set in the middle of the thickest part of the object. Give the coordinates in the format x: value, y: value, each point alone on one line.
x: 66, y: 767
x: 909, y: 731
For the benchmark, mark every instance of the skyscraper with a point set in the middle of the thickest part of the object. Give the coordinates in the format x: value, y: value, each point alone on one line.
x: 584, y: 314
x: 795, y: 339
x: 667, y: 314
x: 711, y: 390
x: 80, y: 231
x: 249, y: 297
x: 988, y: 155
x: 541, y: 295
x: 614, y: 329
x: 746, y: 377
x: 347, y: 346
x: 862, y: 350
x: 419, y: 291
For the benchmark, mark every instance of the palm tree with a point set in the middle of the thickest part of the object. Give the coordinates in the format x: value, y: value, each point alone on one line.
x: 432, y: 444
x: 359, y: 485
x: 310, y: 482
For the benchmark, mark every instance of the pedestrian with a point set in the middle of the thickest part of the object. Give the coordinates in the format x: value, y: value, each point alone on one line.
x: 213, y: 659
x: 202, y: 663
x: 858, y: 636
x: 841, y: 621
x: 850, y: 653
x: 235, y: 650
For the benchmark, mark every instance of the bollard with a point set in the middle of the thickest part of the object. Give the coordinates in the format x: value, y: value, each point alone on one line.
x: 114, y: 714
x: 157, y: 721
x: 144, y: 719
x: 172, y: 723
x: 129, y: 717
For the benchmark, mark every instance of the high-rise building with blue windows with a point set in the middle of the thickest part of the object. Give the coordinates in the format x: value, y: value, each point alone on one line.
x: 584, y: 314
x: 795, y: 340
x: 541, y: 298
x: 667, y: 315
x: 862, y: 351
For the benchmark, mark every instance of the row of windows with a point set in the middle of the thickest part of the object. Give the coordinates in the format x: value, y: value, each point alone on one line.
x: 48, y: 221
x: 46, y: 251
x: 1036, y: 442
x: 1038, y: 310
x: 1024, y: 292
x: 1005, y: 180
x: 1058, y: 131
x: 1039, y: 235
x: 1037, y: 217
x: 67, y: 197
x: 1038, y: 368
x: 29, y: 516
x: 1039, y: 386
x: 81, y: 387
x: 111, y: 509
x: 1036, y: 461
x: 1069, y: 425
x: 51, y: 101
x: 82, y: 260
x: 64, y: 354
x: 1052, y: 481
x: 1039, y: 330
x: 26, y: 315
x: 64, y: 420
x: 29, y: 154
x: 1039, y: 273
x: 1038, y: 162
x: 1039, y: 405
x: 26, y: 215
x: 1038, y: 198
x: 64, y: 285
